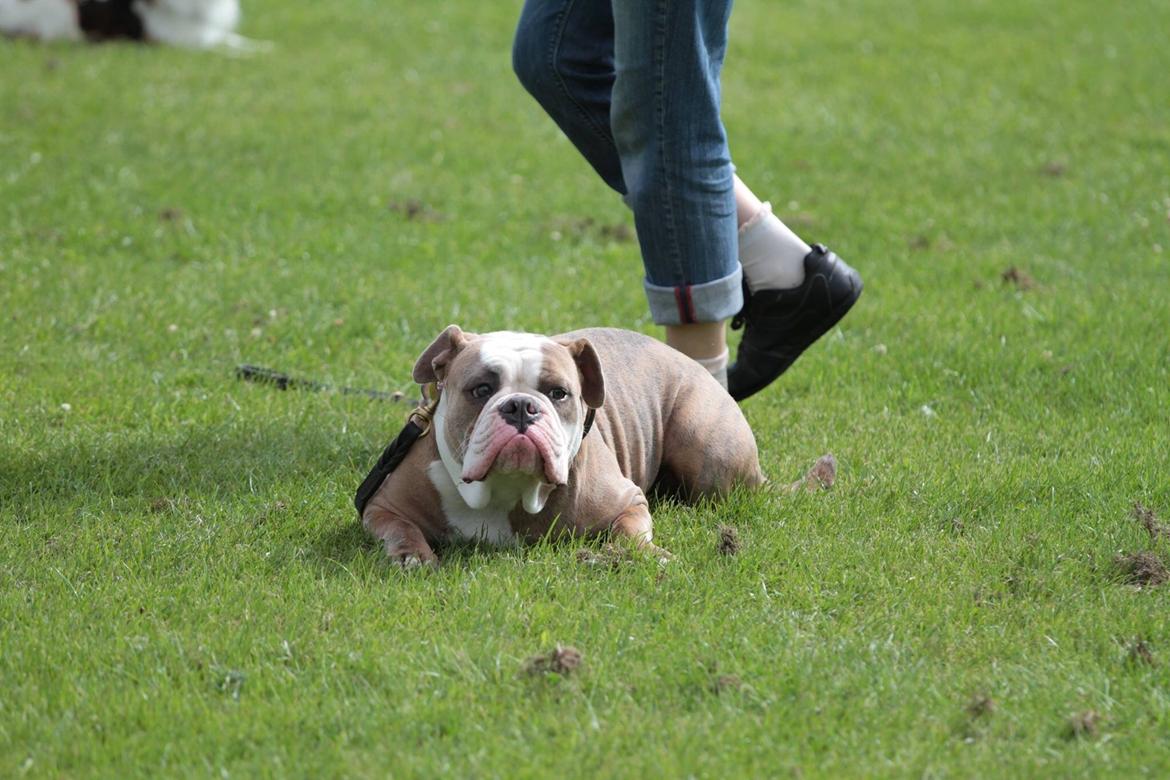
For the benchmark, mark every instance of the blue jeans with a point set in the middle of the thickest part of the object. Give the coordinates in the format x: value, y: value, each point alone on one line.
x: 634, y: 84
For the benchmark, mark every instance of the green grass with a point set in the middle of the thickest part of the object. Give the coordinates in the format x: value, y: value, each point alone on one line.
x: 184, y: 590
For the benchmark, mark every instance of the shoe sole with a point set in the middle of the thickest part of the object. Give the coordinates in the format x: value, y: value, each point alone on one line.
x: 836, y: 314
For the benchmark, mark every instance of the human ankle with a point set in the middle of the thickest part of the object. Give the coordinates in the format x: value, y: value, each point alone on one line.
x: 698, y: 340
x: 705, y: 343
x: 772, y: 255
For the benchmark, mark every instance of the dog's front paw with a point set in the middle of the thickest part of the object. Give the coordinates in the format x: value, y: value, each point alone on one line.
x: 660, y: 554
x: 409, y: 557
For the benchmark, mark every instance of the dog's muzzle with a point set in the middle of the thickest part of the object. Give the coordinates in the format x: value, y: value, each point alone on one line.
x: 519, y: 411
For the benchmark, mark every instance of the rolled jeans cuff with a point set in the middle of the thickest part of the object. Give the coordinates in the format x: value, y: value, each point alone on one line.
x: 687, y: 303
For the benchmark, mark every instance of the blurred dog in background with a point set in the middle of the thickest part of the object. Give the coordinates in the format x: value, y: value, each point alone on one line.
x: 198, y: 24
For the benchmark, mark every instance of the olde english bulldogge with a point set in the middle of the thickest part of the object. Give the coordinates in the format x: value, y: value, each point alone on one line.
x: 567, y: 434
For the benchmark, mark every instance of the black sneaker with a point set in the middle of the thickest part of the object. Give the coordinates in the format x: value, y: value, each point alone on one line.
x: 781, y: 324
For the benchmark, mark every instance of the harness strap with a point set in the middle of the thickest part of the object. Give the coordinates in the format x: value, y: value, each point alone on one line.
x: 392, y: 456
x: 418, y: 425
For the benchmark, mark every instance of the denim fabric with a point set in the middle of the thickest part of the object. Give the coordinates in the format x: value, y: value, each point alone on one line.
x: 634, y: 84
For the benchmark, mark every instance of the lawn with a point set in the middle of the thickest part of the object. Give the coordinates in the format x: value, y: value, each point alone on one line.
x: 184, y: 587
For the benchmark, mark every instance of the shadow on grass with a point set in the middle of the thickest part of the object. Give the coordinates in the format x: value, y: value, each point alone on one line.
x: 218, y: 464
x: 250, y: 468
x: 342, y: 543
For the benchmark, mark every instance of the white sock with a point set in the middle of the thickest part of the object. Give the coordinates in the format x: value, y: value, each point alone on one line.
x: 716, y: 366
x: 772, y: 256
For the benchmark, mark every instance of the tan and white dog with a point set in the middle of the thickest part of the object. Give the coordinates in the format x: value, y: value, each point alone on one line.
x: 509, y: 458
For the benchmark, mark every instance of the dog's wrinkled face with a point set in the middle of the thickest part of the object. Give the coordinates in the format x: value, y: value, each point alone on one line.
x: 512, y: 409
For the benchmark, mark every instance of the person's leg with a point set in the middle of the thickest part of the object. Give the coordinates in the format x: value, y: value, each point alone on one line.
x: 676, y: 166
x: 705, y: 343
x: 563, y: 55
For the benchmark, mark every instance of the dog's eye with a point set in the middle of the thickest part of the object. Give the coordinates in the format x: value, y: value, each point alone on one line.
x: 482, y: 391
x: 558, y: 394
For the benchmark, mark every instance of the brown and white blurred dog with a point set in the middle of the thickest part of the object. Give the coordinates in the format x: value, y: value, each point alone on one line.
x: 509, y: 457
x: 198, y: 24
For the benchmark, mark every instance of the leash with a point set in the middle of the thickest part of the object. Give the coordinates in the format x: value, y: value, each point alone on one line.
x: 268, y: 376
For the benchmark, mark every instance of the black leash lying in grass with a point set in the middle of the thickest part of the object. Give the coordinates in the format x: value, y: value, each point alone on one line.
x: 268, y: 376
x: 418, y: 423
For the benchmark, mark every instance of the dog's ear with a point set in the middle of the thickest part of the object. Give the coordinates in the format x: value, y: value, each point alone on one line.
x: 589, y: 366
x: 432, y: 364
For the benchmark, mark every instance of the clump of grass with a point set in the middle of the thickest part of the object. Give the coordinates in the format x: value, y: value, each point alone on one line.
x: 981, y: 705
x: 1084, y: 725
x: 1140, y: 653
x: 822, y: 476
x: 562, y: 660
x: 1019, y: 278
x: 725, y: 683
x: 1143, y: 568
x: 1144, y: 515
x: 609, y: 556
x: 729, y: 543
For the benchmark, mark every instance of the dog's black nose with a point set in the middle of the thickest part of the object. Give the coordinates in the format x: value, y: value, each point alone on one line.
x: 519, y: 412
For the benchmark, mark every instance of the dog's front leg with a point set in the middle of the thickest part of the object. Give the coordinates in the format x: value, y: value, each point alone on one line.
x: 404, y: 541
x: 635, y: 523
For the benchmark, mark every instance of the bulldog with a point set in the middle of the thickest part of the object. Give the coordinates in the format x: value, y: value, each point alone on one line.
x: 564, y: 434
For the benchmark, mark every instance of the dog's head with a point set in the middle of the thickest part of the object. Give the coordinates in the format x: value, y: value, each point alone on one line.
x: 512, y: 409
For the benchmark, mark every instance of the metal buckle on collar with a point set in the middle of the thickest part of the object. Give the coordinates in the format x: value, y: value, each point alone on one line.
x: 423, y: 415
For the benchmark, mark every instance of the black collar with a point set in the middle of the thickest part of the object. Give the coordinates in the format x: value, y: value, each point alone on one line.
x: 588, y: 422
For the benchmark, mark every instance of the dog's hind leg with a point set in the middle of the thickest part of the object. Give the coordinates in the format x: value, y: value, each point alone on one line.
x: 708, y: 452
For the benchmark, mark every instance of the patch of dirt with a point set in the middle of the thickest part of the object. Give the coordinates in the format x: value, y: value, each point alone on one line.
x: 562, y: 660
x: 980, y: 705
x: 922, y: 242
x: 1018, y: 277
x: 1141, y: 654
x: 729, y: 543
x: 726, y: 682
x: 1085, y: 725
x: 1055, y: 169
x: 1144, y: 569
x: 619, y: 233
x: 161, y: 505
x: 609, y: 556
x: 1149, y: 521
x: 171, y: 214
x: 415, y: 210
x: 587, y: 227
x: 822, y: 476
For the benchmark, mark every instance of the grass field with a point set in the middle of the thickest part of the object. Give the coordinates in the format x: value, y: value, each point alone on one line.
x: 185, y: 591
